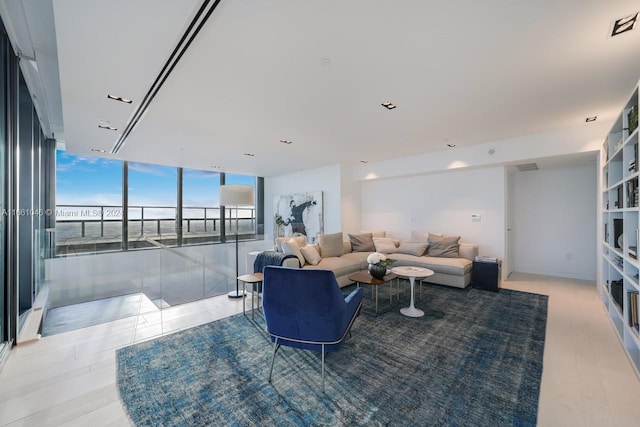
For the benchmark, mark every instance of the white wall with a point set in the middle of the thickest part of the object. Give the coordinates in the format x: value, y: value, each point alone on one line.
x: 555, y: 222
x: 440, y: 202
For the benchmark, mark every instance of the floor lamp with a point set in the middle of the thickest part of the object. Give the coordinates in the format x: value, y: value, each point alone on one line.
x: 236, y: 195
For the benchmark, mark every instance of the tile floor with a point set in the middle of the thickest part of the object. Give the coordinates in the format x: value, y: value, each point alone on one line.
x: 68, y: 379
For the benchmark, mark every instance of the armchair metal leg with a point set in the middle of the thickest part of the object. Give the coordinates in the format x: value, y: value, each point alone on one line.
x: 323, y: 368
x: 276, y: 346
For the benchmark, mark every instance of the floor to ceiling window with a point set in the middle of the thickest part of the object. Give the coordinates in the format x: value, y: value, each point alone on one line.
x: 160, y: 206
x: 25, y: 172
x: 88, y: 204
x: 152, y: 205
x: 200, y: 206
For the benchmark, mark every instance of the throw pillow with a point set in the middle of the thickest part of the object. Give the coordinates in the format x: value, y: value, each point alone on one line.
x: 311, y: 254
x: 330, y: 245
x: 291, y: 247
x: 362, y: 242
x: 301, y: 239
x: 385, y: 245
x: 445, y: 247
x: 412, y: 248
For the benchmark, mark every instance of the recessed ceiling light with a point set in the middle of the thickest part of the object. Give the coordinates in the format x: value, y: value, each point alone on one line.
x: 388, y: 105
x: 97, y: 150
x: 591, y: 119
x: 364, y: 161
x: 625, y: 24
x: 119, y: 98
x: 284, y: 141
x: 451, y: 145
x: 249, y: 154
x: 107, y: 127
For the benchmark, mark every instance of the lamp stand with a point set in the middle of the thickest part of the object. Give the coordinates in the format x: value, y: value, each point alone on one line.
x: 236, y: 293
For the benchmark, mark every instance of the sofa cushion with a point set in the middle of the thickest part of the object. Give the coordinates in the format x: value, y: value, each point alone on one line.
x: 452, y: 266
x: 385, y: 245
x: 311, y: 254
x: 331, y: 245
x: 446, y: 247
x: 359, y: 258
x: 341, y: 265
x: 422, y: 236
x: 468, y: 251
x: 362, y: 242
x: 412, y: 248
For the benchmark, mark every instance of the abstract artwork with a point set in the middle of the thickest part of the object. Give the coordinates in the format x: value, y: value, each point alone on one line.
x: 298, y: 214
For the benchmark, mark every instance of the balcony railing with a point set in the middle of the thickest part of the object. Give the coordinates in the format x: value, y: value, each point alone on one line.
x: 78, y: 225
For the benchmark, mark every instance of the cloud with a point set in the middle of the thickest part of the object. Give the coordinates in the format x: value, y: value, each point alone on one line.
x: 199, y: 173
x: 147, y: 168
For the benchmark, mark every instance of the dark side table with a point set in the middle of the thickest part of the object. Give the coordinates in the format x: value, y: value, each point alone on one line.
x: 486, y: 275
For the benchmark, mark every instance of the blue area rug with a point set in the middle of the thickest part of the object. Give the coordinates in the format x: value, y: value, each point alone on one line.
x: 474, y: 359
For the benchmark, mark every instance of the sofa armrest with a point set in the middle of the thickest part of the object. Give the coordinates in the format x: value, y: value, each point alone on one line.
x: 468, y: 251
x: 292, y: 262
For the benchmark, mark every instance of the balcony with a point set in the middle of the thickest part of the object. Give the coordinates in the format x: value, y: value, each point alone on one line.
x: 98, y: 228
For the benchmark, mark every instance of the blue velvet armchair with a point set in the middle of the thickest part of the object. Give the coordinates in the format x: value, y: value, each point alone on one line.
x: 305, y: 308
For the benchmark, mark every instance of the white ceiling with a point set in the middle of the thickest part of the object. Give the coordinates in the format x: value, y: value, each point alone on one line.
x: 460, y: 72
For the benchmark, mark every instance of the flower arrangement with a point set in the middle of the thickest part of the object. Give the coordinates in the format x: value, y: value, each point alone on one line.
x: 377, y: 258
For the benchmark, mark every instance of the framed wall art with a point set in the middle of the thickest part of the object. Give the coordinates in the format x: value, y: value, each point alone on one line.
x: 297, y: 214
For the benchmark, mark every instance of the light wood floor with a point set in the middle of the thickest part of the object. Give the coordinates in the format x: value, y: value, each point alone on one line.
x: 69, y: 379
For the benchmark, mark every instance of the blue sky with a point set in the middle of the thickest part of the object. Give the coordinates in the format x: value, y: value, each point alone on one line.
x: 84, y: 180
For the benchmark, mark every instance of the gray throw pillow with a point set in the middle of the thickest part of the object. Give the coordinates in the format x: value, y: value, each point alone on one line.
x: 331, y: 245
x: 445, y: 247
x: 362, y: 242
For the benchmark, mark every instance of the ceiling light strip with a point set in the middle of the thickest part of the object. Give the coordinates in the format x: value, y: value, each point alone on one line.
x: 205, y: 11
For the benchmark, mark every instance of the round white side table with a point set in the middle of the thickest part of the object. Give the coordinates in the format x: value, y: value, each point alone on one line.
x: 412, y: 273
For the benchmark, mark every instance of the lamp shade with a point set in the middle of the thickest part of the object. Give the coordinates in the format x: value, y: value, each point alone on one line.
x: 236, y: 195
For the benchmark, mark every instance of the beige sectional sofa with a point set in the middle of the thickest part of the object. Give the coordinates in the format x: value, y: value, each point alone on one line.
x: 451, y: 267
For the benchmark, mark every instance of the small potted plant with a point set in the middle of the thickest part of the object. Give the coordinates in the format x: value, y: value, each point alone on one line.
x: 378, y: 263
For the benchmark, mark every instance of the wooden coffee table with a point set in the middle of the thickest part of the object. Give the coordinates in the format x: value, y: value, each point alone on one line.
x: 363, y: 276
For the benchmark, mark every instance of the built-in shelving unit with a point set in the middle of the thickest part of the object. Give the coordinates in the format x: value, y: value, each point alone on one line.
x: 619, y: 285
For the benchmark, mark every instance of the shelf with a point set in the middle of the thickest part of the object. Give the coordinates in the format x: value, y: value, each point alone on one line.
x: 620, y: 224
